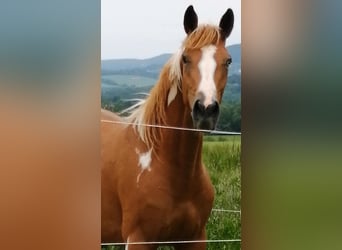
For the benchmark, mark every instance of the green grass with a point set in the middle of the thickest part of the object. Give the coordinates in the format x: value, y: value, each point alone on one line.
x: 221, y: 155
x: 222, y: 159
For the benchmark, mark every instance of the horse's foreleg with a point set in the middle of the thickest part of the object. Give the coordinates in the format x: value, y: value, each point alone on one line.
x: 138, y: 237
x: 193, y: 246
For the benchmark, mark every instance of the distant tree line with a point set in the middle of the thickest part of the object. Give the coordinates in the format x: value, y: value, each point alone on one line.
x: 230, y: 117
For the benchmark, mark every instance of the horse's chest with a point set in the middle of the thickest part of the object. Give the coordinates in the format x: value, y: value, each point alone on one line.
x: 184, y: 220
x: 167, y: 211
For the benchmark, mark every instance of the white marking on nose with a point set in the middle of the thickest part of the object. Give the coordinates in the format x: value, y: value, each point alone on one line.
x: 207, y: 66
x: 145, y: 160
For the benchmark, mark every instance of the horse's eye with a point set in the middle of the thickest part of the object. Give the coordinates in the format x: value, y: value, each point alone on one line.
x: 185, y: 59
x: 228, y: 62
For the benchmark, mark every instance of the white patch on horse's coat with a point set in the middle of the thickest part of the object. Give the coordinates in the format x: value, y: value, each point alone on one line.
x: 145, y: 160
x: 207, y: 66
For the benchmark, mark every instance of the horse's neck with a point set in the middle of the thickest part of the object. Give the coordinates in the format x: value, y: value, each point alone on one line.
x: 183, y: 148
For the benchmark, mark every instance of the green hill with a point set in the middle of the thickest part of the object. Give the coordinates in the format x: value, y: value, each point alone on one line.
x: 151, y: 67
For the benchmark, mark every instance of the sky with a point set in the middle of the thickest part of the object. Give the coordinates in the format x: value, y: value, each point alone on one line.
x: 146, y: 28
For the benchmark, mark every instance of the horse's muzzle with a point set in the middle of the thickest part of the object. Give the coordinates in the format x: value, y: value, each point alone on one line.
x: 205, y: 117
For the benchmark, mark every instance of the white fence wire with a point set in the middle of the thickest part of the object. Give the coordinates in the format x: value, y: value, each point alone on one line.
x: 175, y: 128
x: 168, y: 242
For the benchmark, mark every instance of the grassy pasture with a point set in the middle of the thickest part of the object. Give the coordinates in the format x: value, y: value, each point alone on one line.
x: 221, y: 155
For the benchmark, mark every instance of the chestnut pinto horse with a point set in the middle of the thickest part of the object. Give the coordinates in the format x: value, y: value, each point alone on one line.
x: 154, y: 184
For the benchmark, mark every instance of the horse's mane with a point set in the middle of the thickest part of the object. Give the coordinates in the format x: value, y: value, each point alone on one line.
x: 152, y: 110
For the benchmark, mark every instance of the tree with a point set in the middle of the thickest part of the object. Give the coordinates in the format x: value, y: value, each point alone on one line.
x: 230, y: 117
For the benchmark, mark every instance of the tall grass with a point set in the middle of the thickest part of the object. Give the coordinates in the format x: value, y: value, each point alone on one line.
x: 221, y: 156
x: 222, y: 159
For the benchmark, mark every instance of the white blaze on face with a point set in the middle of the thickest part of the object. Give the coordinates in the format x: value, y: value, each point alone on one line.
x: 144, y: 161
x: 207, y: 67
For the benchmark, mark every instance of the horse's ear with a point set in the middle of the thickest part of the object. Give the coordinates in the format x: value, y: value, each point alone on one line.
x: 190, y: 20
x: 226, y: 24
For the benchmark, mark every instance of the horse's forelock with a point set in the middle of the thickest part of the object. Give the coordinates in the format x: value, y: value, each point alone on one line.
x: 202, y: 36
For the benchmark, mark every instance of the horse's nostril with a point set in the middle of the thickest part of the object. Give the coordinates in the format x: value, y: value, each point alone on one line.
x: 213, y: 108
x: 205, y: 117
x: 199, y: 107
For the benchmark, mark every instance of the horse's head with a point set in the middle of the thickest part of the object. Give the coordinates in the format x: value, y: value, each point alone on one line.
x: 204, y: 66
